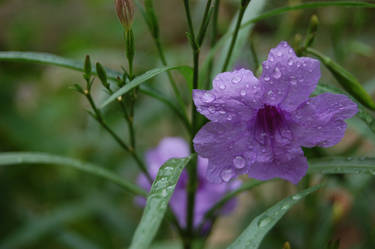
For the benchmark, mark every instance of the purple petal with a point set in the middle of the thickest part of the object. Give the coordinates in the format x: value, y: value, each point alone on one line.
x: 235, y: 96
x: 291, y: 168
x: 288, y: 80
x: 319, y: 121
x: 226, y: 147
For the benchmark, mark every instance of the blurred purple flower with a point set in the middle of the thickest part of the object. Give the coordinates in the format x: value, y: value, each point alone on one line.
x: 259, y: 125
x: 207, y: 193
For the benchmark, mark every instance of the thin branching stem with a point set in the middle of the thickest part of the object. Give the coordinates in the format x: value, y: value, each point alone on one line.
x: 234, y: 38
x: 99, y: 118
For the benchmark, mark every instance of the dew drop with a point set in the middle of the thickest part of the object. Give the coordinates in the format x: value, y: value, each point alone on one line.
x: 222, y: 86
x: 208, y: 97
x: 279, y: 53
x: 236, y: 79
x: 276, y: 74
x: 222, y: 112
x: 164, y: 193
x: 285, y: 207
x: 290, y: 61
x: 229, y: 117
x: 243, y: 92
x: 264, y: 221
x: 293, y: 82
x: 296, y: 197
x: 239, y: 162
x: 266, y: 78
x: 212, y: 109
x: 226, y: 175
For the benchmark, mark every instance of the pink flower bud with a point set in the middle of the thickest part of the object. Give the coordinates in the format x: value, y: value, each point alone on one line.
x: 125, y: 12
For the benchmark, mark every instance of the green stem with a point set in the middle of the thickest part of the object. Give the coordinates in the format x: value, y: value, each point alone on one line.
x: 171, y: 80
x: 188, y: 16
x: 177, y: 111
x: 213, y: 40
x: 98, y: 117
x: 234, y: 38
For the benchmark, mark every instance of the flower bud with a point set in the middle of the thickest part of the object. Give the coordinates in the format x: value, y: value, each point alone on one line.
x: 125, y: 12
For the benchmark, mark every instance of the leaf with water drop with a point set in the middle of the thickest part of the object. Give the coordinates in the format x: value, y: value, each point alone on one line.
x: 157, y: 202
x: 253, y: 235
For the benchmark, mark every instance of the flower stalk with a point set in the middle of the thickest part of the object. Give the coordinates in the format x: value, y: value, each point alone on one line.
x: 244, y: 4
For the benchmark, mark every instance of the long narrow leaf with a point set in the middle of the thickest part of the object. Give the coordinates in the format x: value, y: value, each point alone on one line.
x: 253, y: 235
x: 50, y: 59
x: 19, y: 158
x: 143, y: 78
x: 253, y: 10
x: 340, y: 165
x: 157, y: 202
x: 348, y: 81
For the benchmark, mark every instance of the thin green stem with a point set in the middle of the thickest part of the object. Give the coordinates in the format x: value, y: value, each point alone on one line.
x: 98, y: 117
x: 188, y: 16
x: 234, y: 38
x: 177, y: 111
x: 170, y: 77
x: 213, y: 40
x: 210, y: 215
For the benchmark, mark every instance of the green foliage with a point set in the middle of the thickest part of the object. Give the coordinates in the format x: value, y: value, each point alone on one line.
x: 157, y: 202
x: 253, y: 235
x: 20, y: 158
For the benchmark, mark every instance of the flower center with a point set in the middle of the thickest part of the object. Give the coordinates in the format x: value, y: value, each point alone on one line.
x: 270, y: 123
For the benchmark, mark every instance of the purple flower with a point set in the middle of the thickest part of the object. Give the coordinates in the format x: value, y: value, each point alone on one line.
x: 259, y: 125
x: 207, y: 193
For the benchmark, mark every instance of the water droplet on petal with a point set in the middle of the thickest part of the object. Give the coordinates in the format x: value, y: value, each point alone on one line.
x: 243, y: 92
x: 208, y: 97
x: 222, y: 86
x: 290, y: 61
x: 222, y: 112
x: 239, y: 162
x: 229, y: 117
x: 212, y: 109
x: 226, y: 175
x: 236, y: 79
x: 293, y: 82
x: 266, y: 78
x: 279, y: 53
x: 276, y: 74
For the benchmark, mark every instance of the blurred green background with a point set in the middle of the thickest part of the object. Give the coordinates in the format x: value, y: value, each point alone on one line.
x: 52, y: 207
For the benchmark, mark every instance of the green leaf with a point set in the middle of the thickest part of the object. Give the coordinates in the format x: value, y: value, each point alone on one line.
x: 141, y: 79
x: 341, y: 165
x: 253, y: 235
x: 157, y: 202
x: 50, y: 59
x: 19, y: 158
x: 253, y: 10
x: 345, y: 78
x: 363, y: 114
